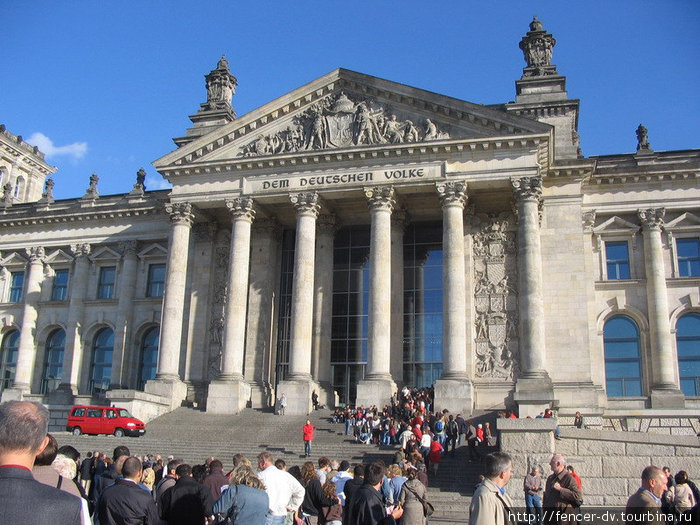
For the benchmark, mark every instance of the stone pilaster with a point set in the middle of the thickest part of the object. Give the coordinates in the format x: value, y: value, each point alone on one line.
x: 229, y: 393
x: 167, y: 382
x: 299, y: 384
x: 26, y: 357
x: 398, y: 228
x: 533, y: 390
x: 453, y: 391
x: 378, y: 385
x: 664, y: 388
x: 323, y: 306
x: 122, y: 335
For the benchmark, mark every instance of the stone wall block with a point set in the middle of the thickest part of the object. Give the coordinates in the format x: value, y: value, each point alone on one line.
x: 642, y: 449
x: 690, y: 465
x: 687, y: 451
x: 567, y: 447
x: 624, y: 467
x: 660, y: 430
x: 669, y: 422
x: 682, y: 431
x: 604, y: 487
x: 592, y: 501
x: 600, y: 448
x: 614, y: 501
x: 587, y: 467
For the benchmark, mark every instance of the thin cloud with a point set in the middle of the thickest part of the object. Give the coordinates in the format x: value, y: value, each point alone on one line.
x: 157, y: 183
x: 76, y: 150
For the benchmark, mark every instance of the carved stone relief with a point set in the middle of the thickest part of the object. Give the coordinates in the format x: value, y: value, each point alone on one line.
x: 339, y: 122
x: 218, y: 307
x: 495, y: 297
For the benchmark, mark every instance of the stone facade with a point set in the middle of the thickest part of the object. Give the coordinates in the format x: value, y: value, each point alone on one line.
x: 297, y: 251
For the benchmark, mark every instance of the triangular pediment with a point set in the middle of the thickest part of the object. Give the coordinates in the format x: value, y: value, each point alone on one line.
x: 58, y: 257
x: 686, y: 220
x: 154, y: 250
x: 13, y: 259
x: 616, y: 224
x: 345, y: 111
x: 105, y: 254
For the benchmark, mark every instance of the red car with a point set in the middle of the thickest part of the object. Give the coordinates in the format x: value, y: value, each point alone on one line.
x: 104, y: 420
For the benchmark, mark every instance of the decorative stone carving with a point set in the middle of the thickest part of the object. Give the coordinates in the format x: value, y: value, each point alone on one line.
x: 218, y: 307
x: 129, y: 247
x: 453, y: 193
x: 340, y: 122
x: 527, y: 188
x: 80, y: 250
x: 588, y: 221
x: 495, y: 298
x: 643, y: 139
x: 537, y: 46
x: 91, y: 192
x: 7, y: 195
x: 241, y: 208
x: 380, y: 197
x: 326, y: 222
x: 180, y: 212
x: 306, y: 202
x: 652, y: 218
x: 35, y: 253
x: 47, y: 195
x: 221, y: 86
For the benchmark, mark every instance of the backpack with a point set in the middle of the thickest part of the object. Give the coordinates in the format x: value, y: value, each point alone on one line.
x: 439, y: 425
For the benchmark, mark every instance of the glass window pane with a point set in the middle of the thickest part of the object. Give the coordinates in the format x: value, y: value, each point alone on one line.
x: 16, y: 286
x: 627, y: 349
x: 617, y: 369
x: 156, y: 280
x: 621, y: 342
x: 105, y: 289
x: 613, y: 388
x: 59, y: 291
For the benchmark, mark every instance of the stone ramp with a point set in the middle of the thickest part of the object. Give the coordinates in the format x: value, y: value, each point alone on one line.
x: 194, y: 435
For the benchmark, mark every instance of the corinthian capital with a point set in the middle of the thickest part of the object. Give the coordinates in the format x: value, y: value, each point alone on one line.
x: 452, y: 193
x: 180, y: 212
x: 380, y: 197
x: 128, y: 248
x: 35, y: 253
x: 527, y: 188
x: 80, y: 250
x: 241, y: 208
x: 306, y: 203
x: 652, y: 218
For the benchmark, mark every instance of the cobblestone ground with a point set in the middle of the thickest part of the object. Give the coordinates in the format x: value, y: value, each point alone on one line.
x: 194, y: 435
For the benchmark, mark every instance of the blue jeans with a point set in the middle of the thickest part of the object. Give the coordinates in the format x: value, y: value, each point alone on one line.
x: 386, y: 438
x: 307, y: 448
x: 274, y: 520
x: 534, y: 506
x: 349, y: 423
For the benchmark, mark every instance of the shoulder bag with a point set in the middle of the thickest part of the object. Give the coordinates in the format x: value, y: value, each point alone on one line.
x: 428, y: 508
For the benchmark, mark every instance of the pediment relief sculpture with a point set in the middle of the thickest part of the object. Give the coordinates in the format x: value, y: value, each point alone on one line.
x: 342, y: 121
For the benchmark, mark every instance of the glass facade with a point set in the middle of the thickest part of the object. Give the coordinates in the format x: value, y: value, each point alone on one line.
x: 8, y: 358
x: 101, y: 364
x: 53, y: 361
x: 149, y: 356
x: 623, y: 371
x: 285, y: 308
x: 688, y: 345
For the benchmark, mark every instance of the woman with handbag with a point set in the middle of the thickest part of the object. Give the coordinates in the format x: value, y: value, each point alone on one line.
x: 412, y: 498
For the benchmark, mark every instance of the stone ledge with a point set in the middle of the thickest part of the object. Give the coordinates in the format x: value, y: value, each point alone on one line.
x: 630, y: 437
x: 526, y: 424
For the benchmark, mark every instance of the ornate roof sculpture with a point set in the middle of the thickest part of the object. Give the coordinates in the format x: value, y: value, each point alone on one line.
x: 221, y: 86
x: 537, y: 46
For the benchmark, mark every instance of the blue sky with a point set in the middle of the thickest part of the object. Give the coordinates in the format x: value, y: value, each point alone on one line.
x: 108, y: 84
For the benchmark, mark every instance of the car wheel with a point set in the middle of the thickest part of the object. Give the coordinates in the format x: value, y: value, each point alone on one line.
x: 77, y: 431
x: 119, y: 433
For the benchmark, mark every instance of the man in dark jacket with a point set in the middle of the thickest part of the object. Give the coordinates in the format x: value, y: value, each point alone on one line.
x: 124, y: 502
x: 562, y: 496
x: 113, y: 473
x: 187, y: 502
x: 215, y: 479
x: 367, y: 505
x: 351, y: 486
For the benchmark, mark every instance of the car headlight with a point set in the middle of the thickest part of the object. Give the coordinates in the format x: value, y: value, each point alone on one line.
x: 131, y: 424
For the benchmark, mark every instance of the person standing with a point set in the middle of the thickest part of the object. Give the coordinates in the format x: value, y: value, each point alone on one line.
x: 284, y: 491
x: 246, y: 500
x: 367, y: 505
x: 533, y: 491
x: 412, y: 491
x: 491, y: 505
x: 314, y: 400
x: 124, y: 502
x: 187, y: 501
x: 283, y: 404
x: 308, y: 436
x: 644, y: 506
x: 561, y: 493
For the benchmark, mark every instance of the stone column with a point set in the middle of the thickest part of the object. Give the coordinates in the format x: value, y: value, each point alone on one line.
x: 299, y: 386
x: 167, y: 382
x: 230, y: 392
x: 378, y: 385
x: 73, y: 356
x: 398, y: 227
x: 124, y: 348
x: 533, y: 390
x: 26, y: 356
x: 664, y: 387
x: 453, y: 390
x: 323, y: 307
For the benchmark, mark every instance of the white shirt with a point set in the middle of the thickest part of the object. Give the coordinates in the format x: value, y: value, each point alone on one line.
x: 282, y: 489
x: 340, y: 479
x: 426, y: 440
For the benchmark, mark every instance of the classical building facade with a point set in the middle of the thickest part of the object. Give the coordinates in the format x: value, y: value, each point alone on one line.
x: 356, y: 235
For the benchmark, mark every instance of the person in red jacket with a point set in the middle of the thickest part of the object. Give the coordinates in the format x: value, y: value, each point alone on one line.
x: 308, y: 432
x: 435, y: 455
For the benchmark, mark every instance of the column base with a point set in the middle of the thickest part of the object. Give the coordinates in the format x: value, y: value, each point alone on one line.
x: 533, y: 394
x: 173, y: 389
x: 375, y: 392
x: 455, y: 395
x: 13, y: 394
x: 227, y: 396
x: 667, y: 398
x: 298, y: 393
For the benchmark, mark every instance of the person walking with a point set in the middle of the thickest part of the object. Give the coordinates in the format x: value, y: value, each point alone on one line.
x: 412, y: 491
x: 308, y: 436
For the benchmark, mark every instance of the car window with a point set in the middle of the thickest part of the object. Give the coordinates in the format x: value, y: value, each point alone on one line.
x: 94, y: 412
x: 111, y: 414
x: 79, y: 412
x: 124, y: 412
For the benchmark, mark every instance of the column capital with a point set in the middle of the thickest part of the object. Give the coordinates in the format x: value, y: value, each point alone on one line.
x: 180, y: 213
x: 588, y: 220
x: 128, y: 248
x: 452, y: 193
x: 241, y: 208
x: 527, y: 189
x: 80, y: 250
x: 380, y: 197
x: 326, y: 223
x: 652, y: 219
x: 306, y: 203
x: 35, y: 254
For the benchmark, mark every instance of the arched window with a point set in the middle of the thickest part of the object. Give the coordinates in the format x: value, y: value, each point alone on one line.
x: 53, y: 363
x: 688, y: 345
x: 8, y: 358
x: 101, y: 365
x: 623, y: 370
x: 149, y: 356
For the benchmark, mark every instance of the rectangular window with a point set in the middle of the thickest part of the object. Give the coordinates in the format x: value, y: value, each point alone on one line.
x: 156, y: 280
x: 617, y: 260
x: 59, y: 292
x: 688, y: 257
x: 105, y: 286
x: 16, y: 286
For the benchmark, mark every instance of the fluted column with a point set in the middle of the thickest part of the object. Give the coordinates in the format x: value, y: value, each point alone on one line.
x: 663, y: 361
x: 73, y: 356
x: 453, y: 197
x: 307, y: 208
x: 181, y: 219
x: 27, y: 345
x: 125, y: 308
x: 534, y: 388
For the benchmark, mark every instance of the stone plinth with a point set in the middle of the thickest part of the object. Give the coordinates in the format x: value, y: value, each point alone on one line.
x: 142, y: 405
x: 298, y: 393
x: 667, y: 399
x: 455, y: 395
x: 228, y: 396
x: 172, y: 389
x: 533, y: 396
x: 375, y: 392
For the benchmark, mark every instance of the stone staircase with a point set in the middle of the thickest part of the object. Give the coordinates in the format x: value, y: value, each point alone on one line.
x: 194, y: 435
